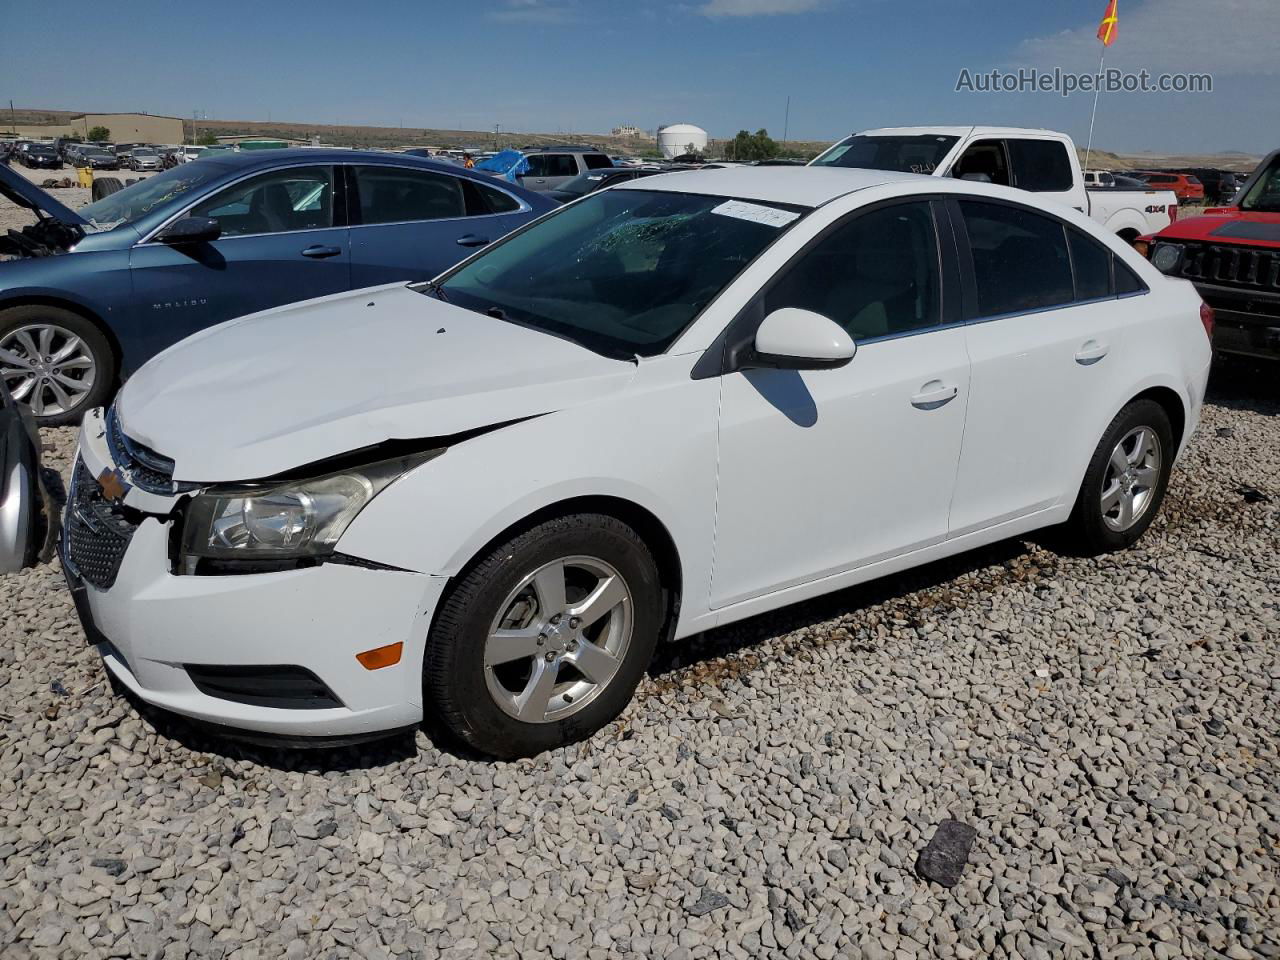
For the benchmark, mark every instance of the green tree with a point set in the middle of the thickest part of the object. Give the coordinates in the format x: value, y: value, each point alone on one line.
x: 206, y: 139
x: 747, y: 147
x: 98, y: 133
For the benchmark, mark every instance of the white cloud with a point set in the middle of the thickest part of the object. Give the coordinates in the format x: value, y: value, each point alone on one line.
x: 1171, y: 36
x: 757, y: 8
x: 534, y: 11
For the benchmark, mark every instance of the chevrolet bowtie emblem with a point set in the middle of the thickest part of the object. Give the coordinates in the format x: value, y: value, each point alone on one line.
x: 113, y: 486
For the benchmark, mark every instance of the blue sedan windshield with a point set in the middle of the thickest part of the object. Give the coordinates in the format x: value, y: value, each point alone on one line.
x: 127, y: 205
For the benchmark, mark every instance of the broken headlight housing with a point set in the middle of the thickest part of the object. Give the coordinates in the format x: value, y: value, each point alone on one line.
x: 291, y: 519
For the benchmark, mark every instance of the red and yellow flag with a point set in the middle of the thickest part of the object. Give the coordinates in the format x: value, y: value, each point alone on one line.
x: 1107, y: 29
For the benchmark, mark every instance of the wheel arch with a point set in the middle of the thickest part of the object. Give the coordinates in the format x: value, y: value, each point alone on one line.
x: 1173, y: 406
x: 46, y: 300
x: 646, y: 524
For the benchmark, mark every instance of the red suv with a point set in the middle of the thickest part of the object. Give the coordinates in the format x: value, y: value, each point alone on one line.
x: 1188, y: 188
x: 1232, y: 255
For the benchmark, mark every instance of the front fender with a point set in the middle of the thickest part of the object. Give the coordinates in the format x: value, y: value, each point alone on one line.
x: 95, y: 283
x: 653, y: 446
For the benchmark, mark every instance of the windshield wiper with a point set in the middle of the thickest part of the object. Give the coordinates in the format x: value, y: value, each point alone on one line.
x: 435, y: 288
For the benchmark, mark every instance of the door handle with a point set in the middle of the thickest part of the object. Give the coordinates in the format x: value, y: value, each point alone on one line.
x: 1091, y: 351
x: 934, y: 394
x: 471, y: 240
x: 319, y: 251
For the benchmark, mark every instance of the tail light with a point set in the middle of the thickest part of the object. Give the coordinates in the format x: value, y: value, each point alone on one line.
x: 1173, y: 213
x: 1208, y: 319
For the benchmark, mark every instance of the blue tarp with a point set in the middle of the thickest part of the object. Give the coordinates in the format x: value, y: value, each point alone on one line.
x: 509, y: 163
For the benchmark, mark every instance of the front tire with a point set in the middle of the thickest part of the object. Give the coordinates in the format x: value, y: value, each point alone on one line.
x: 543, y: 641
x: 56, y: 362
x: 1125, y: 483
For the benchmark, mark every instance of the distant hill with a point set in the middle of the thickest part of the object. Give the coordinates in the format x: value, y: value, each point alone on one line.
x: 392, y: 138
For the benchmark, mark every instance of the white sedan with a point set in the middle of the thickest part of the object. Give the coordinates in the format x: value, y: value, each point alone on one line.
x: 665, y: 407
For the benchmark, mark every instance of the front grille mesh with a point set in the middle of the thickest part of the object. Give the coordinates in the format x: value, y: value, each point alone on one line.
x: 97, y: 532
x: 1232, y: 265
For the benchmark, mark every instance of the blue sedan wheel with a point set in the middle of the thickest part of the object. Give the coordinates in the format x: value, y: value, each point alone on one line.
x: 54, y: 361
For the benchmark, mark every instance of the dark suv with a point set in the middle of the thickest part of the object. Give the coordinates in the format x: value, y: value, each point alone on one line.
x: 553, y: 167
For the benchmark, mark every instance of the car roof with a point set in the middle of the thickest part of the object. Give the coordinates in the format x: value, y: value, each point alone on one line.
x: 976, y: 131
x: 800, y: 186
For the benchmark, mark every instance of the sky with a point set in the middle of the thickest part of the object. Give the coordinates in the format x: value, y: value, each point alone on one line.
x: 577, y: 66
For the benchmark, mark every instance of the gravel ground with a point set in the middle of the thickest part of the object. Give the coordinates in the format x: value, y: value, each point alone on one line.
x: 1110, y: 728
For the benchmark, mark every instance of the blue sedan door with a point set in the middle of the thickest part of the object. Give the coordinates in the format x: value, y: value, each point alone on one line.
x: 284, y: 238
x: 412, y: 224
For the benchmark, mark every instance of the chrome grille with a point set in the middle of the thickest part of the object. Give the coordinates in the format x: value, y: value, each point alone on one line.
x: 96, y: 532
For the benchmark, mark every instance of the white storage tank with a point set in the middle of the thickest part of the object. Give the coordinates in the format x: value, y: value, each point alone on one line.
x: 679, y: 138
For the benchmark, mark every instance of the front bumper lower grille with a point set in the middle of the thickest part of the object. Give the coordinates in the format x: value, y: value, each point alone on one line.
x: 97, y: 533
x: 284, y: 686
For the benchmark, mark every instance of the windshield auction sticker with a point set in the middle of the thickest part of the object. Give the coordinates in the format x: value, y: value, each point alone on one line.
x: 769, y: 216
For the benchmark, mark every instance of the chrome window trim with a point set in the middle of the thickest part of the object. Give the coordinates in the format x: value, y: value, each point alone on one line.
x: 1059, y: 306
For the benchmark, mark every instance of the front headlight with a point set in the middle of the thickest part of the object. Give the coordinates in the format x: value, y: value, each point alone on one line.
x: 291, y: 520
x: 1166, y: 257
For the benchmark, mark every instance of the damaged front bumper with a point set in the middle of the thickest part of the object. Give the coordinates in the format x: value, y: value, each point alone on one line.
x: 273, y: 653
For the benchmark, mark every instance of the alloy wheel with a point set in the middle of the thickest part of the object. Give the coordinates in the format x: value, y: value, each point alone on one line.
x: 47, y: 367
x: 1129, y: 483
x: 558, y: 640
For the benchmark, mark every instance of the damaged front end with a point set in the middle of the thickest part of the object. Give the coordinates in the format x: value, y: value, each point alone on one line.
x: 57, y: 229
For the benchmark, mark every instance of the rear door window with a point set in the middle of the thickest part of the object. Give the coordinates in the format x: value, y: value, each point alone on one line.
x: 596, y: 161
x: 1091, y: 264
x: 397, y: 195
x: 1020, y: 258
x: 560, y: 165
x: 1041, y: 166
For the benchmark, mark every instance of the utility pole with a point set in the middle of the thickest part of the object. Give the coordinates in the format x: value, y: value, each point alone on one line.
x: 13, y: 120
x: 786, y: 124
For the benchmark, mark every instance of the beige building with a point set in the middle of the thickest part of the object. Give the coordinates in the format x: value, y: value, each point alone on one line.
x: 131, y: 127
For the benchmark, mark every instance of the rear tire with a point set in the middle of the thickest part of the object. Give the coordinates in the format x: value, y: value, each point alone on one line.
x: 491, y: 699
x: 1125, y: 482
x: 105, y: 186
x: 91, y: 364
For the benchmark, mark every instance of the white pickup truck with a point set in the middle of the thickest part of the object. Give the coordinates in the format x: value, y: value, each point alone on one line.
x: 1041, y: 161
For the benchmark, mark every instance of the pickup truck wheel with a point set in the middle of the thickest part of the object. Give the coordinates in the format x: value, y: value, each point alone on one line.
x: 1125, y: 482
x: 543, y: 641
x: 105, y: 186
x: 55, y: 361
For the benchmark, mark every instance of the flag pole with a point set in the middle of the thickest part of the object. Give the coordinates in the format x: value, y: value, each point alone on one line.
x: 1094, y: 116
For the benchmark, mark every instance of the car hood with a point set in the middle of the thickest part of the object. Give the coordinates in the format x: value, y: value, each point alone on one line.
x: 18, y: 189
x: 288, y: 387
x: 1227, y: 225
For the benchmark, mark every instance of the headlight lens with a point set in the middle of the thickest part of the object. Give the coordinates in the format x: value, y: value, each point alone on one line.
x: 1166, y: 257
x: 295, y: 519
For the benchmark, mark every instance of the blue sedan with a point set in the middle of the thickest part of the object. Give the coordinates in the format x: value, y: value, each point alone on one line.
x: 88, y: 296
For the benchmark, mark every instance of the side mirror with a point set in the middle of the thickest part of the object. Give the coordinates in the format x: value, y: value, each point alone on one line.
x: 191, y: 230
x: 796, y: 339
